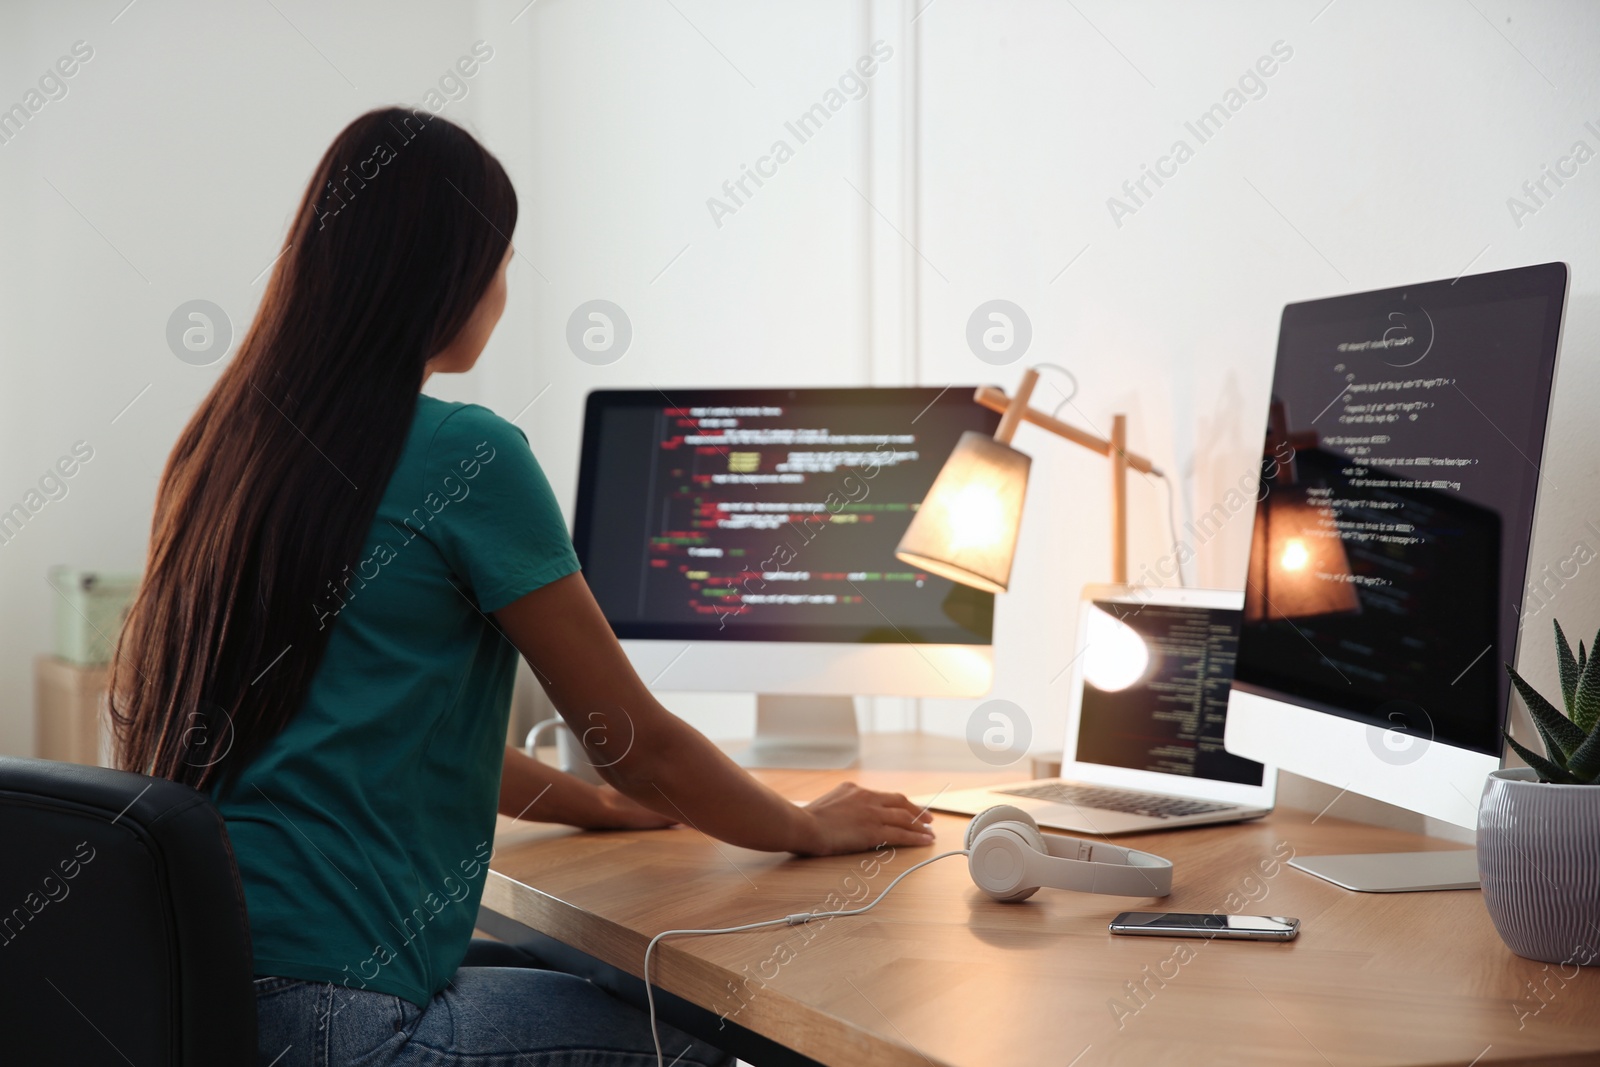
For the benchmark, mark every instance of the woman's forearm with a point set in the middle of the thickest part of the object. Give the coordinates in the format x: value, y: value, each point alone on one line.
x: 538, y: 792
x: 663, y: 763
x: 675, y: 770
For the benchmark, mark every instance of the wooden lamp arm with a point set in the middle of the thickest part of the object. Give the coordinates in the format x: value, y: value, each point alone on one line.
x: 996, y: 400
x: 1016, y: 410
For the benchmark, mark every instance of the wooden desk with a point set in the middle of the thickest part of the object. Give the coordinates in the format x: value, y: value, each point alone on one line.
x: 940, y: 975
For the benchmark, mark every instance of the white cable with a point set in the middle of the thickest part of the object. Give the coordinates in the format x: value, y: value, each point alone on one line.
x: 1073, y: 378
x: 1172, y: 521
x: 797, y: 919
x: 1172, y: 525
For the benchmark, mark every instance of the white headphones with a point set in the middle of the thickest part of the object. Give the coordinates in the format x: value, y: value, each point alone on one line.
x: 1010, y: 860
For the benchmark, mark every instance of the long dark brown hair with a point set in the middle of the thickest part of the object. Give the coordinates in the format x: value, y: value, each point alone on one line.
x: 272, y: 487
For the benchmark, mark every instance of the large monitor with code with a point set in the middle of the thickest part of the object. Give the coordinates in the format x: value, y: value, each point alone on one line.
x: 743, y: 539
x: 770, y: 515
x: 1386, y: 590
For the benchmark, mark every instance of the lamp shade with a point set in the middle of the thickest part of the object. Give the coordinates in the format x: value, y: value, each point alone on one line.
x: 966, y: 528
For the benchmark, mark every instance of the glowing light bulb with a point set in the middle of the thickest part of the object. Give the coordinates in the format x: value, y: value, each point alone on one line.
x: 977, y: 518
x: 1295, y: 555
x: 1115, y: 655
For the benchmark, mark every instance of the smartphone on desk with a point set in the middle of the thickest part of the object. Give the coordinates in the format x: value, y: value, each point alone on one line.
x: 1207, y: 925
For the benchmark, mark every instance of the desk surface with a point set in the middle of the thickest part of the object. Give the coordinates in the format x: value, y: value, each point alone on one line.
x: 940, y: 975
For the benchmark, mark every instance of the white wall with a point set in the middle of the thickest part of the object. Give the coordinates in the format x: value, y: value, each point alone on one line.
x: 1383, y: 151
x: 167, y: 173
x: 618, y: 122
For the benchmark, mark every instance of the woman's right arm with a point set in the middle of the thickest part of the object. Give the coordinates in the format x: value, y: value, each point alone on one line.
x: 665, y: 764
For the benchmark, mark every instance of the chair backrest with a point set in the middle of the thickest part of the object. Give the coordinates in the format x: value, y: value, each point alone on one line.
x: 123, y: 933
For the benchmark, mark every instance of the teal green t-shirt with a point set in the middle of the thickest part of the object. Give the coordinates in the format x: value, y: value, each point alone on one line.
x: 363, y: 831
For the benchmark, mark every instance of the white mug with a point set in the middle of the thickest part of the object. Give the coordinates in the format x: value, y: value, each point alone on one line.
x: 573, y: 759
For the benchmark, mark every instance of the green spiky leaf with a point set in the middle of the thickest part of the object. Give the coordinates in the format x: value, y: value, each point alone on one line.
x: 1546, y: 770
x: 1583, y: 657
x: 1561, y: 736
x: 1584, y: 764
x: 1567, y: 665
x: 1586, y: 699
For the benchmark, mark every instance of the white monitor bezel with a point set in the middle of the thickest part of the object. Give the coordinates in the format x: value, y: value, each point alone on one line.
x: 1343, y: 753
x: 895, y: 668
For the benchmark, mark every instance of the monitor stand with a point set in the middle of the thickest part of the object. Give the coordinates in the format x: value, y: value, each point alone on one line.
x: 804, y: 731
x: 1396, y: 872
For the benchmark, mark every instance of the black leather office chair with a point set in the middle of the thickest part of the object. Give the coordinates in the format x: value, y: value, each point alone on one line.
x: 123, y: 935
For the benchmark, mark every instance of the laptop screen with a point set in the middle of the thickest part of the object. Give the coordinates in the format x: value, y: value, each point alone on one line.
x: 1155, y: 690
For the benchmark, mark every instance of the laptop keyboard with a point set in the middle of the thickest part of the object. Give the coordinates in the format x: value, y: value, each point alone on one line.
x: 1086, y: 796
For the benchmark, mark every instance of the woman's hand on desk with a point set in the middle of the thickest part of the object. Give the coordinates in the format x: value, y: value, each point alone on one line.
x: 849, y: 818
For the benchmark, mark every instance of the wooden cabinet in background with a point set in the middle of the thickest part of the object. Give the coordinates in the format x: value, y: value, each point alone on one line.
x: 69, y: 724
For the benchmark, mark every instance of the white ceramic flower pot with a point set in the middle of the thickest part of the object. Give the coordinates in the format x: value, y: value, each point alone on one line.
x: 1539, y: 862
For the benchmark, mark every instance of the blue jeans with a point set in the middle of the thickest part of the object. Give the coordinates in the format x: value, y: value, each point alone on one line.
x: 486, y: 1017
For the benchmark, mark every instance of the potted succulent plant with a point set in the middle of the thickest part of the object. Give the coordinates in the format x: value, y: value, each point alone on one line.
x: 1539, y: 826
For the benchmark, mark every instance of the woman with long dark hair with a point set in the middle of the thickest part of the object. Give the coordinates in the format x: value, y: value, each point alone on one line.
x: 341, y: 574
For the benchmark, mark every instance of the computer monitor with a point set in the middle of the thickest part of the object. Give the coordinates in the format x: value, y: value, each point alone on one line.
x: 743, y: 540
x: 1390, y: 549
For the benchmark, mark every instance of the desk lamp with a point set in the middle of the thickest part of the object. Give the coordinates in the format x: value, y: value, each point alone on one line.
x: 966, y: 529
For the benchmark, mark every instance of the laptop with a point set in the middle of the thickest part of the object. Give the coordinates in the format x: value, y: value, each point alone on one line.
x: 1148, y: 699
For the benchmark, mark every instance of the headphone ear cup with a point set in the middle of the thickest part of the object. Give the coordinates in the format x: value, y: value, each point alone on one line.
x: 998, y: 861
x: 1005, y: 813
x: 1019, y: 895
x: 998, y: 841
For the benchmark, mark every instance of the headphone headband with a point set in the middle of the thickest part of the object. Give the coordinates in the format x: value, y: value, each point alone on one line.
x: 1100, y: 867
x: 1009, y: 859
